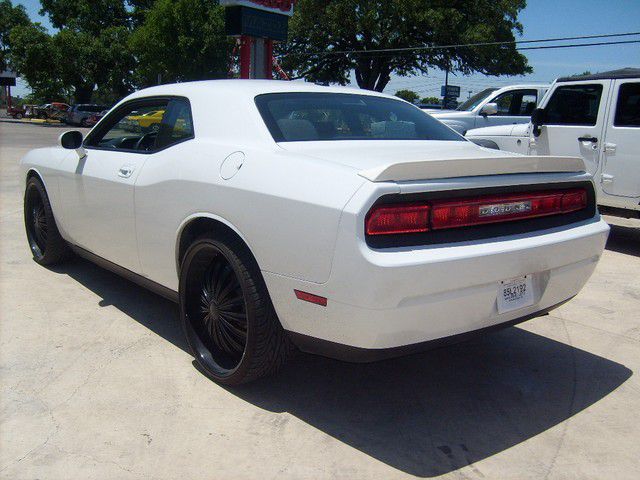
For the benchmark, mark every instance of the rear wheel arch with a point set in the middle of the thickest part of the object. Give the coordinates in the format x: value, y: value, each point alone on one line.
x: 197, y: 225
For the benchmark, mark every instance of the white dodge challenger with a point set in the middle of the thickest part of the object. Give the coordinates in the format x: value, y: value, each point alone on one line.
x: 278, y: 214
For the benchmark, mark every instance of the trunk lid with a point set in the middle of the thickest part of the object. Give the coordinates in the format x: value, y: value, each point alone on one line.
x: 381, y: 160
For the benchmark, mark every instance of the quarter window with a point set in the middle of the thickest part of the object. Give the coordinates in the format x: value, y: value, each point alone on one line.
x: 628, y: 106
x: 574, y: 105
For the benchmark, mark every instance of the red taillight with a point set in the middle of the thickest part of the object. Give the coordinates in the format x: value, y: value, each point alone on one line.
x: 401, y: 218
x: 465, y: 212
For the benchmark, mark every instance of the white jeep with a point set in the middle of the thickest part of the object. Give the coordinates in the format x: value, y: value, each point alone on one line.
x: 596, y: 117
x: 493, y: 106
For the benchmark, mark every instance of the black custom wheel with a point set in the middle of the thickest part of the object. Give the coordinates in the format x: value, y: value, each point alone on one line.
x: 227, y: 315
x: 47, y: 245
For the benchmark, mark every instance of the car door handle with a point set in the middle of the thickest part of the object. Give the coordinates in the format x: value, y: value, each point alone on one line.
x: 588, y: 139
x: 610, y: 147
x: 125, y: 172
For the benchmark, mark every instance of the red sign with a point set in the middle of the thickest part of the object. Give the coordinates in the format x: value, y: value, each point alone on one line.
x: 276, y: 6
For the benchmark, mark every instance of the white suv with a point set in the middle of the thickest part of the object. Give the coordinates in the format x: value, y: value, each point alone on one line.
x: 596, y: 117
x: 493, y: 106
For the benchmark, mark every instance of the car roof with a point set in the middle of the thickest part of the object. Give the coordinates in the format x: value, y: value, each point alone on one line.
x: 610, y: 75
x: 247, y: 88
x: 525, y: 85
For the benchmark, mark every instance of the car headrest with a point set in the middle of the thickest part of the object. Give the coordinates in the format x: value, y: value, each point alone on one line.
x: 296, y: 130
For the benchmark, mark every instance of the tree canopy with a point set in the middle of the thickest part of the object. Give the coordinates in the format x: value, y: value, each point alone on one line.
x: 106, y: 48
x: 408, y: 95
x: 330, y: 39
x: 10, y: 17
x: 181, y: 40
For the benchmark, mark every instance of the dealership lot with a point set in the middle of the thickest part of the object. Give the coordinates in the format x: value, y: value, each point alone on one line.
x: 96, y: 383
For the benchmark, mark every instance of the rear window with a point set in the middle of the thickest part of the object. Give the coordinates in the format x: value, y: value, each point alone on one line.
x: 307, y: 117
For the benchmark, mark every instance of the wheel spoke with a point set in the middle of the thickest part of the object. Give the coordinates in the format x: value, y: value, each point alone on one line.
x: 233, y: 302
x: 235, y: 330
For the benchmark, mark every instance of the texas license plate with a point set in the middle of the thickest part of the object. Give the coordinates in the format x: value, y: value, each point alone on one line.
x: 515, y: 294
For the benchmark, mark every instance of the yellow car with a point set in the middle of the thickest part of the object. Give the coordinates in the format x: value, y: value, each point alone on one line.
x: 149, y: 121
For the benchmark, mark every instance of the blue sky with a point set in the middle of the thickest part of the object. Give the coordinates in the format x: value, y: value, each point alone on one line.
x: 541, y: 19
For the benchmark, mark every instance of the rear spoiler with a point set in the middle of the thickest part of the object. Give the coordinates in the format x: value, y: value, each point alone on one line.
x: 471, y: 167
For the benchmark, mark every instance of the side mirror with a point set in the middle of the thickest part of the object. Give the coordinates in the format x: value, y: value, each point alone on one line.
x: 489, y: 109
x: 538, y: 118
x: 71, y: 140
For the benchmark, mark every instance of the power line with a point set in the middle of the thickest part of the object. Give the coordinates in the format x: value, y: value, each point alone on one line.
x: 595, y: 44
x: 483, y: 44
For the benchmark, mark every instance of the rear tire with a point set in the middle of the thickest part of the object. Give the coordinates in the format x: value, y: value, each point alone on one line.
x: 46, y: 244
x: 226, y: 312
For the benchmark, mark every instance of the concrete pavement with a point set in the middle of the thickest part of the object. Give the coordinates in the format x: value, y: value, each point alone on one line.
x: 95, y: 383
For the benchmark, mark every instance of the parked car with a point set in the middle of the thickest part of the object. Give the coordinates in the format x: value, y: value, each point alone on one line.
x: 493, y: 106
x: 52, y: 111
x: 16, y: 112
x: 144, y: 121
x: 95, y: 118
x: 596, y: 117
x: 79, y: 114
x: 344, y: 222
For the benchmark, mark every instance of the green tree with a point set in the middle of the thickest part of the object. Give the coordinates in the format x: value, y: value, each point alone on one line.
x: 37, y: 60
x: 88, y: 16
x: 408, y: 95
x: 320, y: 27
x: 90, y: 51
x: 431, y: 100
x: 10, y: 17
x: 182, y: 40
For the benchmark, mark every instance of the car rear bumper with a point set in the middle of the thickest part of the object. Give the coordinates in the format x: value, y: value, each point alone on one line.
x: 394, y: 298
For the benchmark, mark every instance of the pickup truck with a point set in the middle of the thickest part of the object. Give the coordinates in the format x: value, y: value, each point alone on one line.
x: 596, y: 117
x: 493, y: 106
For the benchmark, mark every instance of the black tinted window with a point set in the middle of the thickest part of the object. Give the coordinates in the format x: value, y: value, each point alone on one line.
x: 628, y: 107
x: 91, y: 108
x: 574, y: 105
x: 304, y: 117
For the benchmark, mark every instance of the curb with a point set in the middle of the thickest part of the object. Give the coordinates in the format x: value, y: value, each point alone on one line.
x: 28, y: 122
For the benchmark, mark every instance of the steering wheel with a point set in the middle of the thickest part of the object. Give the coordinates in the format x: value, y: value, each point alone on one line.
x: 143, y: 138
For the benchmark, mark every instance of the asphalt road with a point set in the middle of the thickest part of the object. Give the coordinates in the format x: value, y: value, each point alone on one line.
x: 95, y: 383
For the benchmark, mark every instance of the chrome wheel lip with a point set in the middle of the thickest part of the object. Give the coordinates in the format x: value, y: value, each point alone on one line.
x: 201, y: 296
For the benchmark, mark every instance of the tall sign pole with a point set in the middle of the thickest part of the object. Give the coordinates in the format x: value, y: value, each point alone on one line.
x: 8, y: 80
x: 257, y: 24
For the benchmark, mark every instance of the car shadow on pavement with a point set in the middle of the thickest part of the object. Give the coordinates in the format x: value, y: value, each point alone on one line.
x: 624, y: 239
x: 150, y: 310
x: 436, y: 412
x: 426, y: 414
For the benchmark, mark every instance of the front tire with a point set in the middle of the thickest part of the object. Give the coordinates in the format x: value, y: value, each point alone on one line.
x: 46, y: 244
x: 227, y: 315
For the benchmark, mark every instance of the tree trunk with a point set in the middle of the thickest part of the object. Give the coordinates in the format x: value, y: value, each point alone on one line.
x: 373, y: 75
x: 82, y: 93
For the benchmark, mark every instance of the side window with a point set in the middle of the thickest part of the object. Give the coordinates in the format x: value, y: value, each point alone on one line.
x: 517, y: 103
x: 132, y: 129
x: 504, y: 103
x: 628, y: 106
x: 528, y: 104
x: 574, y: 105
x: 177, y: 124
